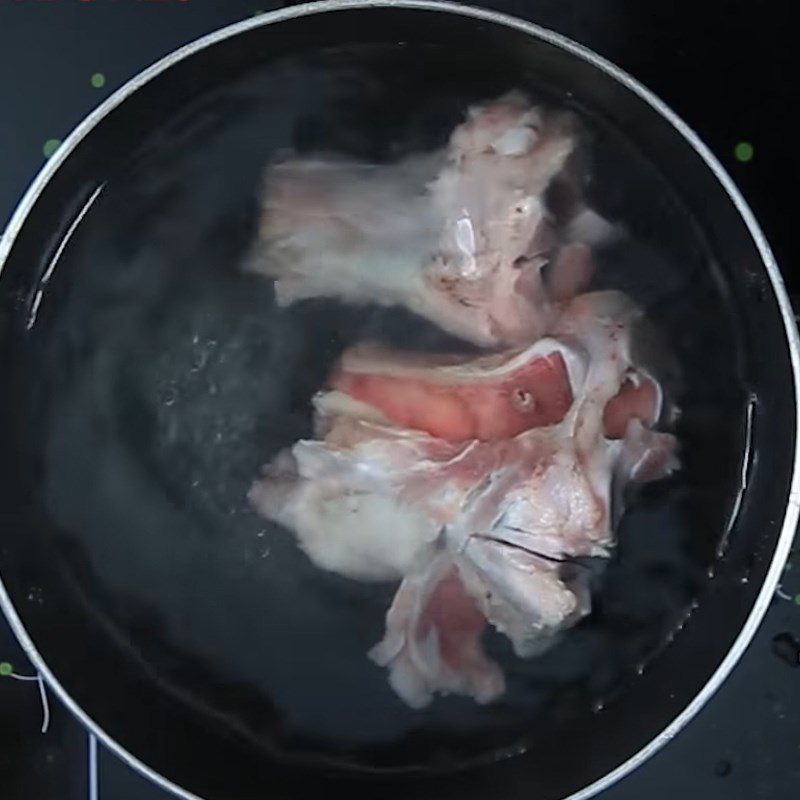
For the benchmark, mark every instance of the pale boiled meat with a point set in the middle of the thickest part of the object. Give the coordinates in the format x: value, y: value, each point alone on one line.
x: 379, y: 496
x: 433, y: 638
x: 458, y: 236
x: 358, y: 533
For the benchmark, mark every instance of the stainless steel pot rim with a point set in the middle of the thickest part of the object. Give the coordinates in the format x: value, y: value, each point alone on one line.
x: 790, y: 520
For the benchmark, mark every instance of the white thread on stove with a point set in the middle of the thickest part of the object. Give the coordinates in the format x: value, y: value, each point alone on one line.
x: 42, y: 695
x: 45, y: 704
x: 779, y: 591
x: 23, y: 677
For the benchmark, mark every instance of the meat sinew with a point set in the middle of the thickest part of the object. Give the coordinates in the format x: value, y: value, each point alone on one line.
x: 476, y: 482
x: 458, y: 236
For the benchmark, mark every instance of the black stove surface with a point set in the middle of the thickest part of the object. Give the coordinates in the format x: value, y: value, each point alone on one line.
x: 722, y: 66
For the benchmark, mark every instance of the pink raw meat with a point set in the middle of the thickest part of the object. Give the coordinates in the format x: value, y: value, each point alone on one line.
x: 457, y: 399
x: 433, y: 639
x: 458, y: 236
x: 502, y: 512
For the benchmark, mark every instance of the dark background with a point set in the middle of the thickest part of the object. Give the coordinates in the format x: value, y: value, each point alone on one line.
x: 728, y: 68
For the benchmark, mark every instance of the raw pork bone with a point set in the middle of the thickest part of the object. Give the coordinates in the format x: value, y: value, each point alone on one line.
x: 493, y: 520
x: 458, y: 236
x: 460, y: 398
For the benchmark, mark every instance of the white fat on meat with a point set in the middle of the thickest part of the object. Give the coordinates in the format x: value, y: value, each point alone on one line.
x: 447, y: 369
x: 355, y: 532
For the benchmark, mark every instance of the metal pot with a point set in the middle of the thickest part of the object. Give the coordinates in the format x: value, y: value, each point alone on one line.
x: 110, y: 651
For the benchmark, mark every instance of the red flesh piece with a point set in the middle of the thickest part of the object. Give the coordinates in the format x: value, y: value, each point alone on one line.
x: 533, y: 396
x: 458, y: 623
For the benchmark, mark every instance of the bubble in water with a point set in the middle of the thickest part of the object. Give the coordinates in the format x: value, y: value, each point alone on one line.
x: 510, y: 752
x: 199, y: 361
x: 35, y: 595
